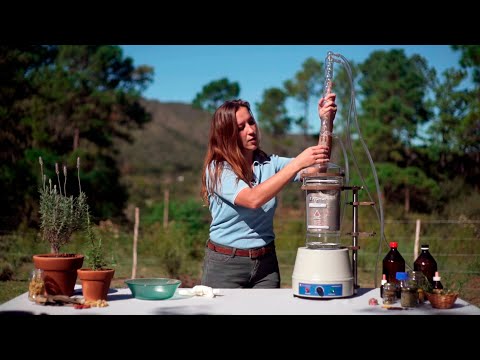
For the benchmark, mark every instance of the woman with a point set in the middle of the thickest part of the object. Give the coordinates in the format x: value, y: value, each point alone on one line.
x: 239, y: 184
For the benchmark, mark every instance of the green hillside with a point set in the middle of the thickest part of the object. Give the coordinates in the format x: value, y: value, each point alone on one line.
x: 169, y: 151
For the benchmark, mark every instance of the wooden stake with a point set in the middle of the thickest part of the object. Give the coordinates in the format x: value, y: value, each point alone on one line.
x: 135, y: 242
x: 76, y: 136
x: 417, y: 239
x: 165, y: 208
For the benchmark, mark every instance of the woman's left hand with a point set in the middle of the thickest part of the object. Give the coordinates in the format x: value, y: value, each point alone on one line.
x: 327, y: 107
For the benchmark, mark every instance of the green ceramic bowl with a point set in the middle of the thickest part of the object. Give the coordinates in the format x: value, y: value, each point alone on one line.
x: 153, y: 288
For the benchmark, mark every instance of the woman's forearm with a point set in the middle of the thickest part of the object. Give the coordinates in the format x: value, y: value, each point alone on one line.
x: 257, y: 196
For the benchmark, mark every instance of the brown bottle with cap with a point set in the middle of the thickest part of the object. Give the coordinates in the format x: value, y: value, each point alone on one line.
x: 383, y: 282
x: 437, y: 285
x: 392, y: 263
x: 426, y: 263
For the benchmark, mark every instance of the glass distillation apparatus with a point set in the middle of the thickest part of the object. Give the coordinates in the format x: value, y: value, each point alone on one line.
x: 323, y: 267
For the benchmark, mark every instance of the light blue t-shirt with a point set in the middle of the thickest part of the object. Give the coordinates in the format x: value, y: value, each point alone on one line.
x: 238, y: 226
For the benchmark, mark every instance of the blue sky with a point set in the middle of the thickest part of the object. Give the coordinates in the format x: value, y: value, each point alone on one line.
x: 182, y: 70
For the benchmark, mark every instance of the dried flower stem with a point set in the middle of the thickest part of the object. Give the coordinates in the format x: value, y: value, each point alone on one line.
x: 78, y: 173
x: 58, y: 178
x: 65, y: 182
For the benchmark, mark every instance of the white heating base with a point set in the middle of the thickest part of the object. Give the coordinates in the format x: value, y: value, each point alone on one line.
x: 322, y: 273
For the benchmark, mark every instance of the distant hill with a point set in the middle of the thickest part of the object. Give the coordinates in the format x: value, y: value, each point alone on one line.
x: 172, y: 145
x: 172, y: 142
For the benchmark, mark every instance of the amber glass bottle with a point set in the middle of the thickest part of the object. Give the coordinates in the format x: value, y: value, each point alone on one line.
x: 437, y: 284
x: 393, y: 262
x: 426, y: 263
x: 384, y: 281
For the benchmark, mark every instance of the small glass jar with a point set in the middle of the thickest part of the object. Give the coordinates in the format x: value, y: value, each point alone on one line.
x: 408, y: 290
x: 389, y: 293
x: 420, y: 281
x: 37, y: 285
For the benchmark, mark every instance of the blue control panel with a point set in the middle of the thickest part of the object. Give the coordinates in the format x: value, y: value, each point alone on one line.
x: 320, y: 290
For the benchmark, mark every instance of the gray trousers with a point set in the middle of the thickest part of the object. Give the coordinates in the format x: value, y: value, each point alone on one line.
x: 230, y: 271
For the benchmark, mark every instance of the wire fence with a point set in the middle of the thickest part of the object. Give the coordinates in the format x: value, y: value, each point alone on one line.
x: 455, y: 244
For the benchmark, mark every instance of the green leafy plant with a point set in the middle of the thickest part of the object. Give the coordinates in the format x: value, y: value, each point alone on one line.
x: 60, y: 214
x: 447, y: 292
x: 95, y: 256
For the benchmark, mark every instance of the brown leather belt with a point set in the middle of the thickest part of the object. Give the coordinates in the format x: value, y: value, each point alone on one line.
x: 251, y: 253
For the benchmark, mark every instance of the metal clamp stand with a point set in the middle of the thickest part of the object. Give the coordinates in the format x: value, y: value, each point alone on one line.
x: 355, y: 231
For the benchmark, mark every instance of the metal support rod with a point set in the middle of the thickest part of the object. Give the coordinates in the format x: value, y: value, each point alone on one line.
x: 355, y: 239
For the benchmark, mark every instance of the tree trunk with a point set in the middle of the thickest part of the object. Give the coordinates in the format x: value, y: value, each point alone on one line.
x: 407, y: 199
x: 305, y: 123
x: 76, y: 137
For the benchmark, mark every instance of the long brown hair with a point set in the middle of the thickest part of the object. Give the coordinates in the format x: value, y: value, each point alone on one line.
x: 224, y: 144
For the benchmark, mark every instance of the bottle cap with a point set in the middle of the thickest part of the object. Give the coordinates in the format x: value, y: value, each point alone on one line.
x: 401, y: 275
x: 424, y: 247
x: 393, y: 244
x: 437, y: 276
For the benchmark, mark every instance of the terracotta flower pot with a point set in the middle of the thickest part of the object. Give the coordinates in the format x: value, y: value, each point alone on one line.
x: 95, y: 283
x: 60, y: 272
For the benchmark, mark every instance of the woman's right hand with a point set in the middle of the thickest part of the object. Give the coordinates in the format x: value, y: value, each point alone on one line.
x: 313, y: 155
x: 327, y: 109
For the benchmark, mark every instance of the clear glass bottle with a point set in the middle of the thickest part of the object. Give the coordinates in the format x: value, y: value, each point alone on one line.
x: 426, y: 263
x: 37, y: 285
x: 392, y: 263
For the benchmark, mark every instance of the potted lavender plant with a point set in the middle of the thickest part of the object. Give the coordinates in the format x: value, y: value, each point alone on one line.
x: 61, y: 215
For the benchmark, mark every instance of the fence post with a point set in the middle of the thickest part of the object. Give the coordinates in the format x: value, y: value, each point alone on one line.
x: 166, y: 196
x: 135, y: 241
x: 417, y: 239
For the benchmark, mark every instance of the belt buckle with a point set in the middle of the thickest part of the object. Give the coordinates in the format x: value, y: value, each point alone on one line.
x: 251, y: 254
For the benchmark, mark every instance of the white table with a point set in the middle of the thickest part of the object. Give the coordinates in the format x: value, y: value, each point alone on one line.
x: 235, y: 302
